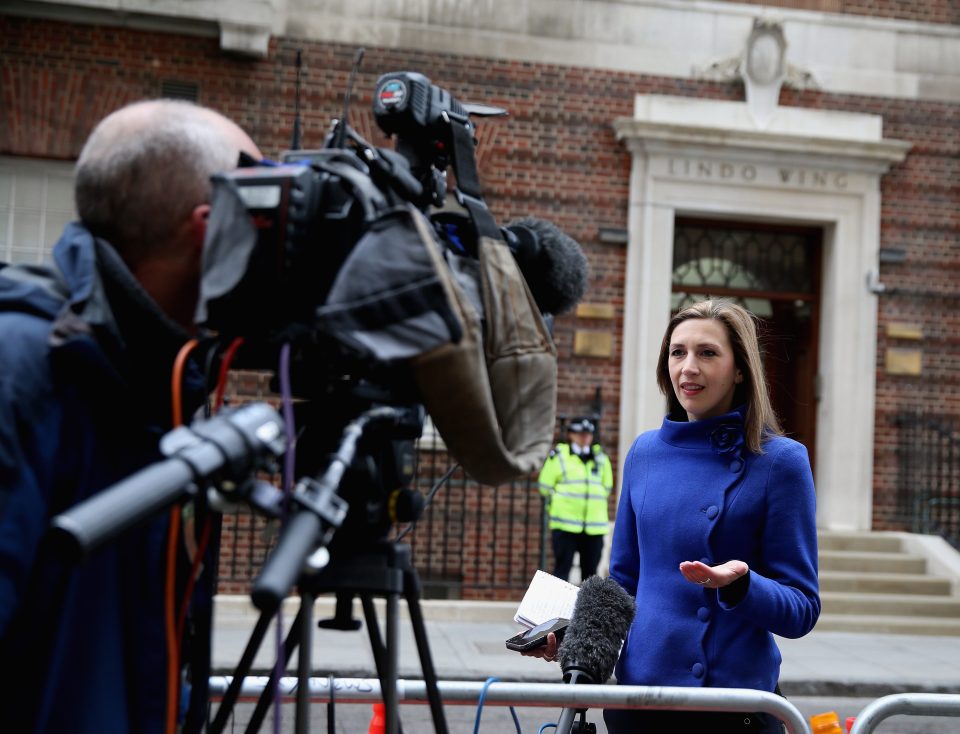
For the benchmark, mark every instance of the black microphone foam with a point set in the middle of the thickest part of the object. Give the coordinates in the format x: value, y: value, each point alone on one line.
x: 552, y: 263
x: 602, y: 615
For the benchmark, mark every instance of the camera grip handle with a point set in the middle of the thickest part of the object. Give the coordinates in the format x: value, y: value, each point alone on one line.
x: 283, y: 567
x: 80, y: 530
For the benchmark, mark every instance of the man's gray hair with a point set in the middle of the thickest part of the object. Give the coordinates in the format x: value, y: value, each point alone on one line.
x: 144, y: 169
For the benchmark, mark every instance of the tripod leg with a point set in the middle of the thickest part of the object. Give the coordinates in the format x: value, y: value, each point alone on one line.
x: 266, y: 698
x: 423, y: 648
x: 393, y: 647
x: 385, y: 658
x: 243, y: 667
x: 305, y: 619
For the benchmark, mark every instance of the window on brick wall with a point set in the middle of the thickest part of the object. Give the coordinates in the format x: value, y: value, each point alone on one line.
x: 36, y: 201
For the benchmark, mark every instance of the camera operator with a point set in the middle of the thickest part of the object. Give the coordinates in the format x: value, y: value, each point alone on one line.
x: 87, y: 350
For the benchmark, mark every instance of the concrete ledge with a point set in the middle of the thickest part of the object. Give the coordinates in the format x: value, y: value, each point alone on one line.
x: 239, y: 607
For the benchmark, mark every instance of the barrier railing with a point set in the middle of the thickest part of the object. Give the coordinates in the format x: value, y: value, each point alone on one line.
x: 911, y: 704
x: 362, y: 690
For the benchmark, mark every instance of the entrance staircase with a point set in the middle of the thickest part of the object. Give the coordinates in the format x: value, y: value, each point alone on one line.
x: 888, y: 582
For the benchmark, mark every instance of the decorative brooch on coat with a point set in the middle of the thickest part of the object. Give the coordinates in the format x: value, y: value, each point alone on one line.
x: 728, y: 441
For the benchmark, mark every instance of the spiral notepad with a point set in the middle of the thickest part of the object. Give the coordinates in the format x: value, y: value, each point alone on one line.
x: 546, y: 597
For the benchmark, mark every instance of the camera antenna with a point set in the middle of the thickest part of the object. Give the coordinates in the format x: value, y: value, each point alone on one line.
x: 295, y: 143
x: 342, y: 127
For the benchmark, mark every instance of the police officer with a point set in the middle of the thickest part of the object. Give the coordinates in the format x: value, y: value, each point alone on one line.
x: 576, y: 481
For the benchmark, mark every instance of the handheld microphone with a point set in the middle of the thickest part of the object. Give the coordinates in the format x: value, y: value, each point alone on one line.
x: 552, y: 263
x: 602, y: 615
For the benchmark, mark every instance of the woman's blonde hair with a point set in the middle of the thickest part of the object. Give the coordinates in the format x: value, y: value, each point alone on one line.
x: 741, y: 325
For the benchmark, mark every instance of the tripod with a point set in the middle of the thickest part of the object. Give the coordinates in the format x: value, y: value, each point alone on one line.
x: 386, y: 570
x: 375, y: 567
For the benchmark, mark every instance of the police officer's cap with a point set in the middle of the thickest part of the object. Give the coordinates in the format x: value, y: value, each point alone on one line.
x: 581, y: 425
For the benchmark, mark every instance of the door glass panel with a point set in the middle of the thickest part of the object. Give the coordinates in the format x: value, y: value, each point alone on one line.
x: 773, y: 272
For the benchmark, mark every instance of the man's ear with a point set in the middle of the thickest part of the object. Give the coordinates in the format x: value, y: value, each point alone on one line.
x: 198, y: 224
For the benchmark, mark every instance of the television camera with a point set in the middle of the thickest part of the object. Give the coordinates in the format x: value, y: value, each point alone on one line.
x: 349, y: 254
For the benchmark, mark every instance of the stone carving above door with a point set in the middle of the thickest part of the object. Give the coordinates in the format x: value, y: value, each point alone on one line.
x: 763, y: 68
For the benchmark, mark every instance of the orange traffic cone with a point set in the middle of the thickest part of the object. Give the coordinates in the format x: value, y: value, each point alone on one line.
x: 825, y: 723
x: 378, y: 723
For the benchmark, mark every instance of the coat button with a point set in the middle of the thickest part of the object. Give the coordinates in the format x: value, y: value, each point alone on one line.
x: 736, y: 465
x: 703, y: 614
x: 697, y: 670
x: 712, y: 512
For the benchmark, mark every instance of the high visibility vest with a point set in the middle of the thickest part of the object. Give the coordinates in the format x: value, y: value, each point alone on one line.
x: 577, y: 491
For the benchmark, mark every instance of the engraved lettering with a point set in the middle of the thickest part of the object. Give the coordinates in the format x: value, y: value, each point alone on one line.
x: 746, y: 172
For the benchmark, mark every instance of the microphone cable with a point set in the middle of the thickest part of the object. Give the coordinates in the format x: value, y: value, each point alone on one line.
x: 173, y: 534
x: 175, y: 619
x: 483, y: 695
x: 289, y: 467
x: 207, y: 529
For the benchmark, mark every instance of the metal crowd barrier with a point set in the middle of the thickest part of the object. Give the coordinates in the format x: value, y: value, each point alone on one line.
x: 911, y: 704
x: 363, y: 690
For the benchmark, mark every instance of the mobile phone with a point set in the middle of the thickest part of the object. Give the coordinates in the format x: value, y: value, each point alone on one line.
x: 537, y: 636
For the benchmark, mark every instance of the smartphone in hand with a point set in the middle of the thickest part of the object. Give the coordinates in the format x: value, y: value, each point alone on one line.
x: 537, y: 636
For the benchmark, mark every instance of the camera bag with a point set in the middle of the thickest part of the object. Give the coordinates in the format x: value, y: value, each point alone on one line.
x: 492, y: 395
x: 480, y: 353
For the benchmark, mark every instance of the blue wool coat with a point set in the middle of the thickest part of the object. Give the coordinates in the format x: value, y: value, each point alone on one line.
x: 692, y: 491
x: 85, y: 365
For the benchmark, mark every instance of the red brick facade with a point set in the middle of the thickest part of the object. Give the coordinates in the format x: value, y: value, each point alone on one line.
x: 554, y: 156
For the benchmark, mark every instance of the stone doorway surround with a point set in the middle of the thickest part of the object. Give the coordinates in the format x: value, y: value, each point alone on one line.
x: 709, y: 158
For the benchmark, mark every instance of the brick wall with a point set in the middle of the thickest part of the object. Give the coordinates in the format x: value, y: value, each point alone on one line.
x: 554, y: 156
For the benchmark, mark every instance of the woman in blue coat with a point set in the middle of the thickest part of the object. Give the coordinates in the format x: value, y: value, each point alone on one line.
x: 715, y: 533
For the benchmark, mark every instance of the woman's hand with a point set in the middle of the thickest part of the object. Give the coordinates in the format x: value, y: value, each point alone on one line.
x: 548, y: 652
x: 713, y: 577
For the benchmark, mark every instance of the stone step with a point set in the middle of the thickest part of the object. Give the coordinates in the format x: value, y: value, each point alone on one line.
x: 940, y: 626
x: 869, y: 583
x: 834, y: 540
x: 884, y: 583
x: 872, y: 562
x: 890, y: 605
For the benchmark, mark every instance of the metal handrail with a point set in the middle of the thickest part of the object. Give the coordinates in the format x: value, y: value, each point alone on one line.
x: 363, y: 690
x: 911, y: 704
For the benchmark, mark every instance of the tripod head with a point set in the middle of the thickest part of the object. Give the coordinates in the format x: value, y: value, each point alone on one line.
x: 349, y: 506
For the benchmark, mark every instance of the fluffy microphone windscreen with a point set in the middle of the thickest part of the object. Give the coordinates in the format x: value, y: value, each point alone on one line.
x: 552, y: 263
x: 602, y: 615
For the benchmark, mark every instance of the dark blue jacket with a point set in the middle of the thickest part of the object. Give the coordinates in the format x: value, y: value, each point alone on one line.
x: 85, y: 365
x: 692, y: 491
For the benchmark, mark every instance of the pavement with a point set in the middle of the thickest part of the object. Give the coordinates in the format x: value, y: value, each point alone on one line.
x: 466, y: 641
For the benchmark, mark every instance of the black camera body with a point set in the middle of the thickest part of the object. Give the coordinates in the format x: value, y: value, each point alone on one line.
x: 306, y: 218
x: 309, y: 212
